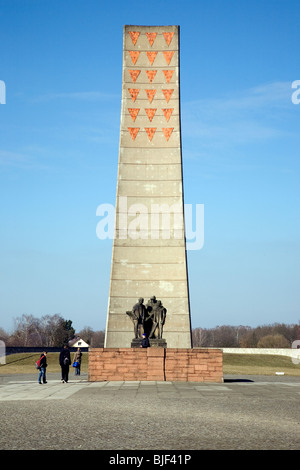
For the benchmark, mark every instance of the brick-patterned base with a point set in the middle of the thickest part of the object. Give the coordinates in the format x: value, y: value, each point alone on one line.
x: 187, y: 365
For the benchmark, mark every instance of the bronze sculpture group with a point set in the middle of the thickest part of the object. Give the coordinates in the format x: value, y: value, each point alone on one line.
x: 148, y: 319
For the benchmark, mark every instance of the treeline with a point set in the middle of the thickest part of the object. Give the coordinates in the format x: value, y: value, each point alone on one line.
x: 277, y: 335
x: 55, y: 331
x: 48, y: 331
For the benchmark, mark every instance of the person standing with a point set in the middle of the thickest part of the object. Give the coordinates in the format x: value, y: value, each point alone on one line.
x: 77, y: 361
x: 145, y: 342
x: 65, y: 361
x: 42, y: 368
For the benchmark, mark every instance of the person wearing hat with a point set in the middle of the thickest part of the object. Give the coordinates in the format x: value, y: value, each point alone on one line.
x: 145, y: 342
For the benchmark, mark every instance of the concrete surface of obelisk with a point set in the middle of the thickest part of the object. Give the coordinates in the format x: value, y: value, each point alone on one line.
x: 149, y: 248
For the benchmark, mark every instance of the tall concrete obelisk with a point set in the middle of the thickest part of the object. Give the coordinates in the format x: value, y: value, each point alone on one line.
x: 149, y: 249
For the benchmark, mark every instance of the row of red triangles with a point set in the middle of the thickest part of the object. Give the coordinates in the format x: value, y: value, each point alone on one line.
x: 150, y: 74
x: 150, y: 113
x: 151, y: 56
x: 150, y: 94
x: 150, y: 132
x: 150, y: 36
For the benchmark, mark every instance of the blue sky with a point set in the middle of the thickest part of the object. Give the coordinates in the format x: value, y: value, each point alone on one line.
x: 61, y: 62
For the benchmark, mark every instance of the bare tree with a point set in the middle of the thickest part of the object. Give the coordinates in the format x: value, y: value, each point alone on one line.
x: 202, y: 337
x: 3, y: 335
x: 86, y: 334
x: 244, y: 336
x: 97, y: 340
x: 27, y: 330
x: 47, y: 331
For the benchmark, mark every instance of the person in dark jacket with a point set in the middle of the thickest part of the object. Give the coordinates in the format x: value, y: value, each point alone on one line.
x: 42, y: 368
x: 65, y: 361
x: 145, y: 342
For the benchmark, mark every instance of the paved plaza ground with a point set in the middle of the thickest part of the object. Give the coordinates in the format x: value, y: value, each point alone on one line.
x: 243, y: 413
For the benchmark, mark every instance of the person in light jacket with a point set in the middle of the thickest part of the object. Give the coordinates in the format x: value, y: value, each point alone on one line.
x: 77, y: 361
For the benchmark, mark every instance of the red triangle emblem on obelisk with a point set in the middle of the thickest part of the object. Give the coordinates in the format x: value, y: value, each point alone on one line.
x: 134, y: 56
x: 134, y: 74
x: 150, y: 131
x: 150, y: 113
x: 133, y: 113
x: 151, y: 37
x: 133, y: 92
x: 168, y: 74
x: 151, y: 56
x: 168, y: 113
x: 167, y: 94
x: 134, y: 36
x: 151, y: 74
x: 133, y: 132
x: 168, y: 37
x: 168, y: 132
x: 168, y: 56
x: 150, y: 94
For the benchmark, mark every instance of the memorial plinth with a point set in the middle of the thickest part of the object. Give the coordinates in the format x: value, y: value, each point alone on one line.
x: 158, y: 364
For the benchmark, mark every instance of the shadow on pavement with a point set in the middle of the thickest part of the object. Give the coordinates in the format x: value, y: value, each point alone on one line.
x: 237, y: 380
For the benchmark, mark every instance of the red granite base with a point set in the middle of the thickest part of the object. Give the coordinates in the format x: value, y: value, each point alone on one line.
x: 158, y: 364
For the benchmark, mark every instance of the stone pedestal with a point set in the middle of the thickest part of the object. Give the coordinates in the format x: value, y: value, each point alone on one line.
x: 158, y: 343
x: 136, y: 343
x: 158, y: 364
x: 154, y: 343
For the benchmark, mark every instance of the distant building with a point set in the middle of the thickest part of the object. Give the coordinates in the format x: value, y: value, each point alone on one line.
x: 78, y: 343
